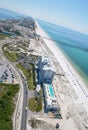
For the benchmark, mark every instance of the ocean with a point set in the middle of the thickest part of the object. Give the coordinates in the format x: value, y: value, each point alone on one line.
x: 73, y: 44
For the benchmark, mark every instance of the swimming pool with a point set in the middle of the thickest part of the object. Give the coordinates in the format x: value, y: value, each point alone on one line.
x: 51, y: 91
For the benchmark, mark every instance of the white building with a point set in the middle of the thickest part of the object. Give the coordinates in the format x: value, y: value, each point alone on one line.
x: 46, y: 70
x: 50, y: 97
x: 47, y: 74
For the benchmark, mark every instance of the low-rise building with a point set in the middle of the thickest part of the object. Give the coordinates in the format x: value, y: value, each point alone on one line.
x: 51, y: 102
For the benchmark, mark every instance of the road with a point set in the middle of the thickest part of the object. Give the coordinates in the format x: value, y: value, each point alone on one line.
x: 24, y: 109
x: 22, y: 99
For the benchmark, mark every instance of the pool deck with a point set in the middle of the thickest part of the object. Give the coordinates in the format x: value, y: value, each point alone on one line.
x: 51, y: 90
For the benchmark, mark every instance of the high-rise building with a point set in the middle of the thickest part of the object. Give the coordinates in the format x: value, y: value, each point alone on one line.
x: 46, y: 70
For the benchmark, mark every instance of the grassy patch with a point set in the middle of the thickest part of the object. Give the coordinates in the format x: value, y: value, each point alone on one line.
x: 35, y: 104
x: 29, y: 73
x: 12, y: 56
x: 3, y: 36
x: 7, y: 93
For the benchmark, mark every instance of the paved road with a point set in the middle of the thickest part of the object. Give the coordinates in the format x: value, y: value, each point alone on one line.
x: 24, y: 103
x: 24, y: 109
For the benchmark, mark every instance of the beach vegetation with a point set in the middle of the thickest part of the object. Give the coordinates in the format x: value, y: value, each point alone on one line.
x: 12, y: 56
x: 3, y: 36
x: 29, y: 74
x: 35, y: 104
x: 7, y: 96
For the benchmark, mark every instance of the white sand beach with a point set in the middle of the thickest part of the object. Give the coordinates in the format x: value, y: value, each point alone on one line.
x: 71, y: 90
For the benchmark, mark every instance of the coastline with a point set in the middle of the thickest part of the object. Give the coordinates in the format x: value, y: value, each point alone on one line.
x: 71, y: 92
x: 72, y: 75
x: 77, y: 69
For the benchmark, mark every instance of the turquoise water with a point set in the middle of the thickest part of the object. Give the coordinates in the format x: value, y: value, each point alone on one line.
x: 51, y: 92
x: 73, y: 44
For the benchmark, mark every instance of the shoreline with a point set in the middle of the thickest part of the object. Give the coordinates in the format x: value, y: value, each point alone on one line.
x: 71, y: 74
x: 79, y: 72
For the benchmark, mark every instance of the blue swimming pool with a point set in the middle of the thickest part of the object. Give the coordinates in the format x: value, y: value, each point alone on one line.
x: 51, y: 91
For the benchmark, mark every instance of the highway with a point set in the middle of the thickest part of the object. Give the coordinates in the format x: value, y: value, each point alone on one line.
x: 24, y: 109
x: 22, y: 103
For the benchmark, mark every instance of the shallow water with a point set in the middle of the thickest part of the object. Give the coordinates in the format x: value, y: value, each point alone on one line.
x: 73, y: 44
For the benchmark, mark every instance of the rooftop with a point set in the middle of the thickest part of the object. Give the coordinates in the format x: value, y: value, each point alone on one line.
x: 49, y: 92
x: 50, y: 95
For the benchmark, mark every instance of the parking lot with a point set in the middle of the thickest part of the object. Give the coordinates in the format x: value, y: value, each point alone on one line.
x: 6, y: 73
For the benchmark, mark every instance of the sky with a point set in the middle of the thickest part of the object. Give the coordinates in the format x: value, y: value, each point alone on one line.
x: 72, y: 14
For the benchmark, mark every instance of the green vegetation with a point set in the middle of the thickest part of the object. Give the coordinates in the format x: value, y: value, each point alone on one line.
x: 33, y: 123
x: 30, y: 75
x: 2, y: 36
x: 7, y: 93
x: 12, y: 56
x: 35, y: 104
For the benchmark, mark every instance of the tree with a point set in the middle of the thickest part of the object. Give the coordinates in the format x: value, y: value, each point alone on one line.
x: 33, y: 123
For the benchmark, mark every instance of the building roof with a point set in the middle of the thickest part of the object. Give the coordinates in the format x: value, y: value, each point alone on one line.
x: 48, y: 67
x: 38, y: 88
x: 50, y: 95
